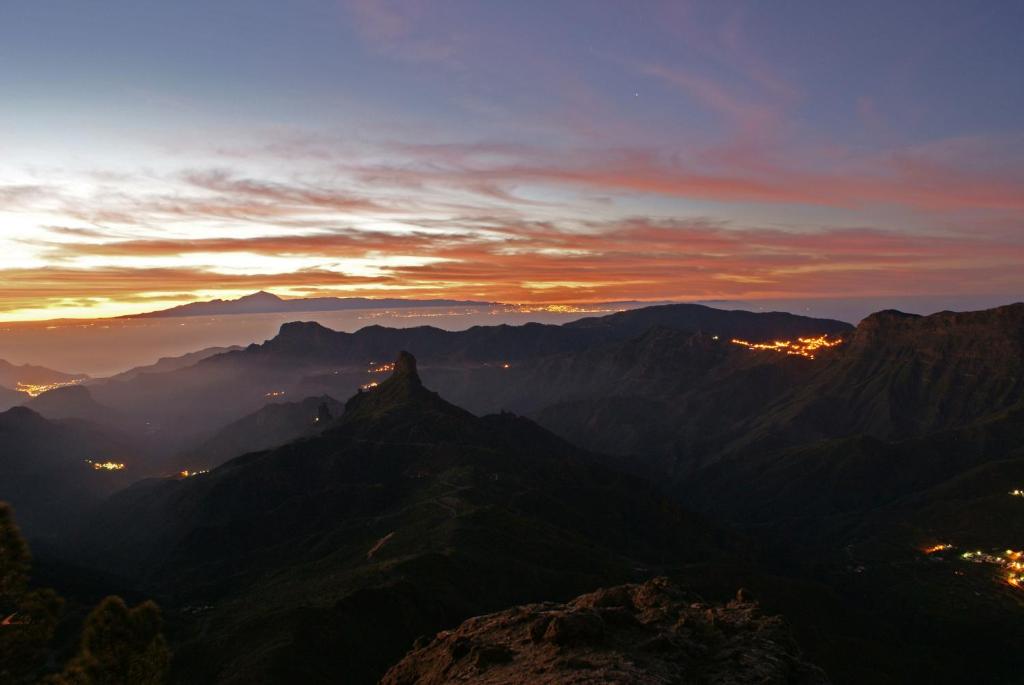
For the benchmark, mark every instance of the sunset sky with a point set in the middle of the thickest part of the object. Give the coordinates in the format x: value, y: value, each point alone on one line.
x: 153, y: 153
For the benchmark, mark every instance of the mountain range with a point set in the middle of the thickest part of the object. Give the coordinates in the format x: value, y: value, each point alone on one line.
x: 20, y: 382
x: 331, y: 554
x: 857, y: 480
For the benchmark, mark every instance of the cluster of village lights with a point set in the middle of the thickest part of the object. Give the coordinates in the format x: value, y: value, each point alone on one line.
x: 803, y: 347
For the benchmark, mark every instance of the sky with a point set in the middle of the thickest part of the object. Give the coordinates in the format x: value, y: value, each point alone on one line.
x: 154, y: 153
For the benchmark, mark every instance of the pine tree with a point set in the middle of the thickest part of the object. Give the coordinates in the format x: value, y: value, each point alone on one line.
x: 119, y: 646
x: 28, y: 617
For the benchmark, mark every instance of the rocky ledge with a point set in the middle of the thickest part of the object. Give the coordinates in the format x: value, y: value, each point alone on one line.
x: 654, y: 632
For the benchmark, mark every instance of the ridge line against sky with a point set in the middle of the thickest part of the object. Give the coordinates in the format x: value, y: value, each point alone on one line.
x: 153, y: 154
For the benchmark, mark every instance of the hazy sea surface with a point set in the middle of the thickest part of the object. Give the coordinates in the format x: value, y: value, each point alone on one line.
x: 101, y: 347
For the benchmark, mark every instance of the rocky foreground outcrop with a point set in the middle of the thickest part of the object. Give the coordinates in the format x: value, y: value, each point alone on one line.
x: 653, y: 632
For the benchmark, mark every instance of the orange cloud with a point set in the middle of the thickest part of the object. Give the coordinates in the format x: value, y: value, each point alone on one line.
x: 537, y: 262
x: 466, y: 221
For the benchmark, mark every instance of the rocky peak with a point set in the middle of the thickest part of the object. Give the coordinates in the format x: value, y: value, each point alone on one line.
x: 300, y: 329
x: 405, y: 368
x: 402, y: 390
x: 654, y: 632
x: 996, y: 330
x: 302, y: 337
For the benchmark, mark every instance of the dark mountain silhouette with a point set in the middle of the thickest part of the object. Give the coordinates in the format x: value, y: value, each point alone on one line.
x: 331, y: 554
x: 273, y: 425
x: 183, y: 407
x: 671, y: 395
x: 409, y: 514
x: 860, y: 474
x: 14, y: 380
x: 655, y: 632
x: 165, y: 364
x: 515, y: 343
x: 679, y: 398
x: 725, y: 323
x: 263, y: 302
x: 12, y: 374
x: 929, y: 418
x: 906, y: 437
x: 863, y: 511
x: 45, y: 471
x: 683, y: 400
x: 904, y: 375
x: 10, y: 398
x: 73, y: 402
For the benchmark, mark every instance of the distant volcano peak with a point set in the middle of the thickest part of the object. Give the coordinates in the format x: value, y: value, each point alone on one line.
x: 261, y: 295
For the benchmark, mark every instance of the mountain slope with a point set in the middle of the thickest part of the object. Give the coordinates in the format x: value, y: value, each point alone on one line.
x: 11, y: 375
x: 275, y: 424
x: 11, y: 398
x: 330, y: 555
x: 858, y: 474
x: 903, y: 375
x: 673, y: 396
x: 73, y: 402
x: 165, y: 364
x: 19, y: 383
x: 683, y: 400
x: 725, y: 323
x: 44, y: 471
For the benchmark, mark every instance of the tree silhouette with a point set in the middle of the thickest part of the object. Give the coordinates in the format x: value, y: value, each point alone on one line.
x: 28, y: 617
x: 120, y: 646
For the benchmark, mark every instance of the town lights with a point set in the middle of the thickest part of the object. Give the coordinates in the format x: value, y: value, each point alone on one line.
x: 37, y: 389
x: 105, y: 465
x: 802, y: 347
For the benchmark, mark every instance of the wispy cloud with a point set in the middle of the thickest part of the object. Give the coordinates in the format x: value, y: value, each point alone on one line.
x: 527, y: 261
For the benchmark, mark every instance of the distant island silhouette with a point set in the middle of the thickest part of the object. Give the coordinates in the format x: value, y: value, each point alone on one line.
x: 263, y: 302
